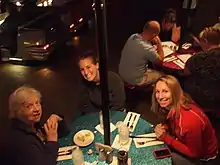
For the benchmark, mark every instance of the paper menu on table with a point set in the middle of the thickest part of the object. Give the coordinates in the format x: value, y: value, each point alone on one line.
x: 169, y: 43
x: 179, y: 63
x: 184, y: 57
x: 167, y: 51
x: 169, y: 47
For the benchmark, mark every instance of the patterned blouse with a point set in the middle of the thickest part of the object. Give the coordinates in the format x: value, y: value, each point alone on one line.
x: 204, y: 83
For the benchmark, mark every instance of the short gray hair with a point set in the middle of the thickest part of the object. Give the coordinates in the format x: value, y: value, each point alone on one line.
x: 19, y: 97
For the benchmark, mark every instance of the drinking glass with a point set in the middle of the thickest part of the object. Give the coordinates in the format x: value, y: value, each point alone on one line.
x: 123, y: 134
x: 77, y: 156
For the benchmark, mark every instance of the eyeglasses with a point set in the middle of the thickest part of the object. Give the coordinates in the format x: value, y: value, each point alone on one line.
x: 31, y: 105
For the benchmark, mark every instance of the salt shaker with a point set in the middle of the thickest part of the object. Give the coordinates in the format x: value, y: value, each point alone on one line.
x: 109, y: 157
x: 102, y: 155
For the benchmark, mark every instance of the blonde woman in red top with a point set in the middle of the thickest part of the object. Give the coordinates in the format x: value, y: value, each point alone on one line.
x: 187, y: 131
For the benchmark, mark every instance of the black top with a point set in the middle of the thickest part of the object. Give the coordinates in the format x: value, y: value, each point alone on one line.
x: 24, y: 147
x: 165, y: 35
x: 92, y: 92
x: 204, y: 83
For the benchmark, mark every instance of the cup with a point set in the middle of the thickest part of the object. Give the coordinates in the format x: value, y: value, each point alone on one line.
x: 77, y: 156
x: 123, y: 134
x: 101, y: 119
x: 122, y: 156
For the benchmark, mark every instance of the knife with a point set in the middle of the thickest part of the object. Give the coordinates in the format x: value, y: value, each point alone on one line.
x: 131, y: 136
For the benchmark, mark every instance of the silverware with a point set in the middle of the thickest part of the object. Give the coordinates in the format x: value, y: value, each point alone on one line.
x: 69, y: 150
x: 64, y: 153
x: 132, y: 125
x: 129, y: 120
x: 142, y: 143
x: 131, y: 136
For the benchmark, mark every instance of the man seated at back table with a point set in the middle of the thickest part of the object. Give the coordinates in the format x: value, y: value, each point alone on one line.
x: 138, y: 52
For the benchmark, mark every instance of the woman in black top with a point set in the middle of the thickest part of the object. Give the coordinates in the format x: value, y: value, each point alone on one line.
x: 89, y: 69
x: 169, y: 29
x: 203, y: 70
x: 27, y: 143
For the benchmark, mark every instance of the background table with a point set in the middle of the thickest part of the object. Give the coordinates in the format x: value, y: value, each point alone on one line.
x: 172, y: 65
x: 139, y: 156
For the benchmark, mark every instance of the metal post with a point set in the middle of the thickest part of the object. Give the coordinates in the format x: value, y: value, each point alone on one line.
x: 3, y: 6
x: 100, y: 9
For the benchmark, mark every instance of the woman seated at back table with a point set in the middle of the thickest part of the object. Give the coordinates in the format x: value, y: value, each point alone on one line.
x: 169, y: 30
x: 203, y: 71
x: 187, y: 131
x: 89, y: 69
x: 27, y: 142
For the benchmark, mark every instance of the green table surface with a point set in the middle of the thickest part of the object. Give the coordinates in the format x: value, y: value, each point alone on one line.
x: 139, y: 156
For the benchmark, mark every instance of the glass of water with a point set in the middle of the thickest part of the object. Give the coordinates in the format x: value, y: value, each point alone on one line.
x: 77, y: 156
x: 123, y: 134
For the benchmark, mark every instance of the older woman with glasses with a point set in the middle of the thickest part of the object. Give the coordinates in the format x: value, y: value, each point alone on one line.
x: 186, y: 129
x: 28, y: 143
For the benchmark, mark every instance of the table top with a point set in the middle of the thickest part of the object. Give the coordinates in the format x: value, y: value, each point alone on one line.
x: 172, y: 65
x: 139, y: 156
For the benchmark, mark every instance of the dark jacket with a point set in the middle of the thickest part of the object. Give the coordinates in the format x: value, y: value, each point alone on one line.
x: 92, y: 93
x: 24, y: 147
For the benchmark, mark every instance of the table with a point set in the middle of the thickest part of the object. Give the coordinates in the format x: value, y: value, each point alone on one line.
x: 172, y: 65
x: 139, y: 156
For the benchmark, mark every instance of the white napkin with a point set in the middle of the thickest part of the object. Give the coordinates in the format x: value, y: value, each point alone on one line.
x: 136, y: 140
x: 133, y: 120
x: 179, y: 63
x: 186, y: 45
x: 115, y: 161
x: 101, y: 130
x: 117, y: 145
x: 65, y: 149
x: 169, y: 59
x: 184, y: 57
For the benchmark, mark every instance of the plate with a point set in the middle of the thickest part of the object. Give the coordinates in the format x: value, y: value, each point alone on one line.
x: 83, y: 138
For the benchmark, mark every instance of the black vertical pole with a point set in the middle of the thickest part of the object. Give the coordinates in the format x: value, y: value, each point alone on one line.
x: 3, y: 6
x: 184, y: 23
x: 100, y: 9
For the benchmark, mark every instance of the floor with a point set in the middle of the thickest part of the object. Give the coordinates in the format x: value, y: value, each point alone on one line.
x: 57, y: 80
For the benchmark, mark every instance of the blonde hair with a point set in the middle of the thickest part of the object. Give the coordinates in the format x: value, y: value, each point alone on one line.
x: 19, y: 97
x: 179, y: 98
x: 211, y: 35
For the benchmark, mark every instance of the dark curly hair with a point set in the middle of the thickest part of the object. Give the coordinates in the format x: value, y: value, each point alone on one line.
x: 170, y: 16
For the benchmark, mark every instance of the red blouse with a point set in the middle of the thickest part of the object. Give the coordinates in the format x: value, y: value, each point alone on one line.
x: 194, y: 134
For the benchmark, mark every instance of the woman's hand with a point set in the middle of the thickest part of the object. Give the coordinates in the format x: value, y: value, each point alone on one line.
x: 176, y: 32
x: 55, y: 118
x: 159, y: 130
x: 51, y: 130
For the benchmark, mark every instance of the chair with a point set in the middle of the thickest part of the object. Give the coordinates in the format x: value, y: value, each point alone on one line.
x: 135, y: 94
